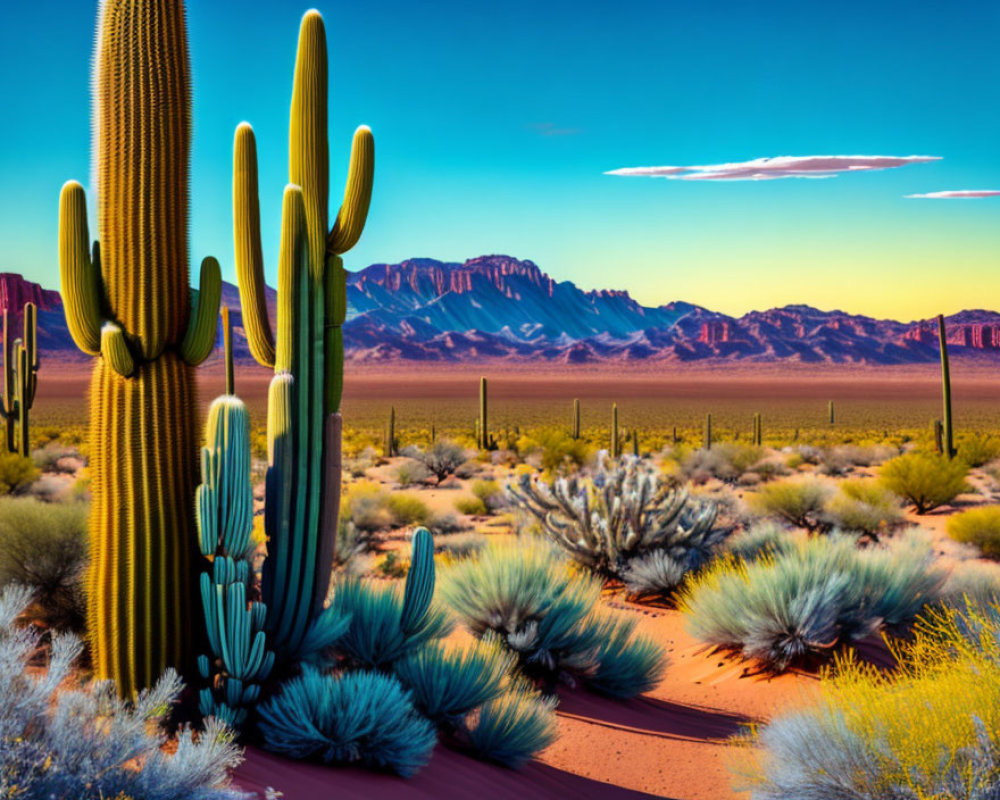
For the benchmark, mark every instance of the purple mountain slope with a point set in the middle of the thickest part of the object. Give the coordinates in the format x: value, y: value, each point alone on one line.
x: 498, y: 307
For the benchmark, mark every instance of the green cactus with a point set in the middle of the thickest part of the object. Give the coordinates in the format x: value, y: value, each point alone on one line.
x: 949, y: 431
x: 830, y: 408
x: 635, y: 443
x: 616, y: 449
x: 707, y: 440
x: 239, y: 659
x: 758, y: 430
x: 389, y: 445
x: 419, y: 582
x: 937, y: 431
x: 576, y: 419
x: 483, y: 439
x: 128, y: 303
x: 20, y: 380
x: 304, y: 421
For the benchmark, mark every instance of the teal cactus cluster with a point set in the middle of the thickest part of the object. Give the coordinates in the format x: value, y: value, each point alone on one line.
x: 239, y: 659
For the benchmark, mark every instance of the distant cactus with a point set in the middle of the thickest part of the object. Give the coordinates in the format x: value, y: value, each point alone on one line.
x: 635, y: 443
x: 239, y: 659
x: 620, y: 515
x: 483, y: 427
x: 20, y: 380
x: 830, y: 409
x: 128, y: 302
x: 304, y: 422
x: 949, y: 432
x: 616, y: 449
x: 758, y: 430
x: 389, y: 446
x: 937, y: 429
x: 707, y: 439
x: 576, y: 419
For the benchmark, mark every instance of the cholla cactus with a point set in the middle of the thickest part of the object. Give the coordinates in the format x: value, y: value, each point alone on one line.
x: 622, y: 514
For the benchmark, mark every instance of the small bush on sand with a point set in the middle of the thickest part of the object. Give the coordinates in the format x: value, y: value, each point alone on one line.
x: 412, y: 472
x: 472, y: 506
x: 978, y: 449
x: 16, y: 472
x: 407, y: 509
x: 725, y: 461
x: 371, y: 508
x: 864, y: 505
x: 978, y: 526
x: 555, y: 449
x: 624, y: 523
x: 513, y: 727
x: 43, y: 546
x: 972, y: 581
x: 928, y: 730
x: 442, y: 459
x: 801, y: 502
x: 62, y: 741
x: 525, y: 596
x: 924, y: 479
x: 491, y: 493
x: 780, y: 610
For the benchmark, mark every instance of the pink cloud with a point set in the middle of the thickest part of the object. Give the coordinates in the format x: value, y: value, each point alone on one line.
x: 769, y: 169
x: 956, y: 194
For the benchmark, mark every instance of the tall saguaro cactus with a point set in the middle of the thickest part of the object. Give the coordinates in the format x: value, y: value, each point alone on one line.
x: 20, y: 380
x: 304, y: 424
x: 129, y: 304
x: 949, y: 432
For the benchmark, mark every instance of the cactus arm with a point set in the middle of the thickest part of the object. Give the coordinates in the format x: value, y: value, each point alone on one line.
x: 357, y: 194
x: 246, y: 235
x: 419, y: 582
x: 31, y: 353
x: 203, y: 323
x: 79, y: 274
x: 115, y: 350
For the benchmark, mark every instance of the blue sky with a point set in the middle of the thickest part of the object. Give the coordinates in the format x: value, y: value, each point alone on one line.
x: 495, y: 123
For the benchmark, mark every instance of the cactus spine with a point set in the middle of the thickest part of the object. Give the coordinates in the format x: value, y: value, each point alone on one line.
x: 234, y: 623
x: 707, y: 439
x: 576, y: 419
x: 949, y: 432
x: 20, y: 380
x: 128, y: 303
x: 304, y: 421
x: 615, y: 444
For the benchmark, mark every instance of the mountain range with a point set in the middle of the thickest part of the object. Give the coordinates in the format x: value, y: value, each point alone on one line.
x: 502, y: 308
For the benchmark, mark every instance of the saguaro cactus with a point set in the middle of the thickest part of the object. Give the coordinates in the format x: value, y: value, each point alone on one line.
x: 20, y: 380
x: 239, y: 659
x: 389, y: 445
x: 707, y: 438
x: 304, y: 423
x: 949, y: 431
x: 758, y: 430
x: 615, y: 445
x: 576, y: 419
x: 129, y: 304
x: 830, y: 409
x: 483, y: 428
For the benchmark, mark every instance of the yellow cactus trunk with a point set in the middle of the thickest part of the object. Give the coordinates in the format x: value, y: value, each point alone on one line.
x: 130, y: 305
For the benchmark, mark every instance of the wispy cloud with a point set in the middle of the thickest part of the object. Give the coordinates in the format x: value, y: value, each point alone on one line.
x: 957, y: 194
x: 550, y: 129
x: 769, y: 169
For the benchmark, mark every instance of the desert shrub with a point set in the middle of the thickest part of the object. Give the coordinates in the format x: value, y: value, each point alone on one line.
x: 924, y: 479
x: 978, y: 526
x: 44, y: 546
x: 407, y: 509
x: 864, y: 506
x: 376, y: 637
x: 978, y: 449
x: 798, y: 501
x: 87, y: 744
x: 472, y: 506
x: 548, y: 616
x: 929, y: 730
x: 491, y: 493
x: 448, y: 684
x: 461, y: 545
x: 624, y: 523
x: 16, y: 472
x: 56, y: 458
x: 442, y: 459
x: 513, y: 727
x: 555, y: 449
x: 365, y: 718
x: 412, y: 472
x: 785, y: 608
x: 972, y: 581
x: 447, y: 523
x: 726, y: 461
x: 762, y: 539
